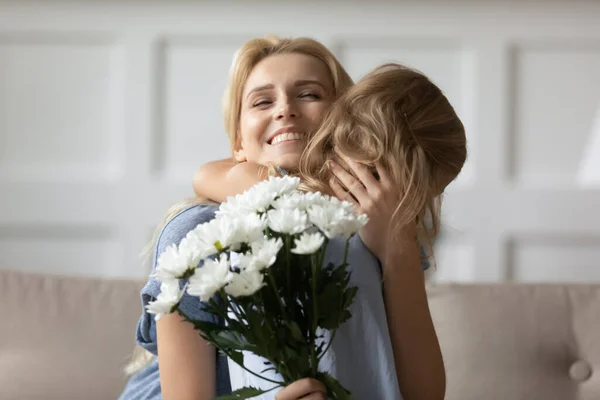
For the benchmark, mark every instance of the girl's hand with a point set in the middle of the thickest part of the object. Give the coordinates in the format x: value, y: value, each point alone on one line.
x: 376, y: 198
x: 305, y: 389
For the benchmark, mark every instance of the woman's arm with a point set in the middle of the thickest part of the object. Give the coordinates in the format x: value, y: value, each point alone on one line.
x: 188, y: 367
x: 187, y: 363
x: 218, y: 179
x: 417, y: 353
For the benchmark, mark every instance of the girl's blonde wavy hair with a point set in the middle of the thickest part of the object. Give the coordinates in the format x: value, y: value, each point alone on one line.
x: 244, y: 61
x: 397, y: 117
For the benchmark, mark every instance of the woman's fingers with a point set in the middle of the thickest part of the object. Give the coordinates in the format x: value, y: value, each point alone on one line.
x: 384, y: 176
x: 307, y: 388
x: 364, y: 174
x: 354, y: 186
x: 342, y: 194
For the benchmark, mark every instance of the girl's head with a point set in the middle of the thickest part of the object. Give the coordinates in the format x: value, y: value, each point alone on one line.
x: 278, y: 92
x: 398, y: 117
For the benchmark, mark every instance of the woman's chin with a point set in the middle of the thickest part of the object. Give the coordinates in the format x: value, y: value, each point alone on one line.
x: 289, y: 162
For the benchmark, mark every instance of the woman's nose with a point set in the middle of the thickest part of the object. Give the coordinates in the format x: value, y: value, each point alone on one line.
x: 287, y: 110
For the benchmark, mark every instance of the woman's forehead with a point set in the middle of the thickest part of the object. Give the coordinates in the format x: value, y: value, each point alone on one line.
x: 288, y: 69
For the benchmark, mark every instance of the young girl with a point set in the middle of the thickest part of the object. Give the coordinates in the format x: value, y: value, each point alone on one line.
x: 390, y: 145
x: 307, y: 79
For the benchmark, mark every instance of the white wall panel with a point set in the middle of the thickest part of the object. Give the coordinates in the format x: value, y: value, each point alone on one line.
x: 60, y: 106
x: 557, y: 98
x: 107, y: 108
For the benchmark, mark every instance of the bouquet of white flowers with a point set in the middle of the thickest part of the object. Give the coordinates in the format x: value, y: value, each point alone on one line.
x: 258, y: 265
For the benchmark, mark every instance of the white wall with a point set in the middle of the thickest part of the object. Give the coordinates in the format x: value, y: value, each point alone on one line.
x: 107, y: 108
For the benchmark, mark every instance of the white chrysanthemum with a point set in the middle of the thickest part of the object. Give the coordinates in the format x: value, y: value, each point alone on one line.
x: 278, y: 185
x: 287, y: 221
x: 322, y: 216
x: 333, y: 220
x: 232, y: 208
x: 252, y: 227
x: 197, y: 241
x: 298, y: 200
x: 346, y: 227
x: 210, y: 278
x: 179, y: 261
x: 265, y: 252
x: 175, y: 264
x: 337, y: 203
x: 258, y: 198
x: 245, y: 283
x: 250, y: 202
x: 219, y: 234
x: 167, y: 300
x: 308, y: 243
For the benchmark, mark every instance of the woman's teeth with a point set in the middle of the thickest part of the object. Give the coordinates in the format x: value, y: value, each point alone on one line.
x: 286, y: 136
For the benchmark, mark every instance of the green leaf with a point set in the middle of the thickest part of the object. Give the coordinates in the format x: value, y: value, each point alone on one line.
x: 335, y: 390
x: 237, y: 357
x: 232, y: 340
x: 244, y: 393
x: 206, y: 327
x: 330, y: 302
x: 296, y: 332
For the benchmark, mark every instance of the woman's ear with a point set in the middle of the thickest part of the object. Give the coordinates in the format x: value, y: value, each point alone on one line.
x: 239, y: 155
x: 238, y: 152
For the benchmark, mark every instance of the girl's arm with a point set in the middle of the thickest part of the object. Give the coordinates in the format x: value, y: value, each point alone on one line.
x: 218, y: 179
x: 417, y: 353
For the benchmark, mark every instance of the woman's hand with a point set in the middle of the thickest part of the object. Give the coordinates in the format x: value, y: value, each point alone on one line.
x: 378, y: 199
x: 305, y: 389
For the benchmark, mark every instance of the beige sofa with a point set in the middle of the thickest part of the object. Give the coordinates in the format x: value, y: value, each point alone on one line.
x: 68, y: 338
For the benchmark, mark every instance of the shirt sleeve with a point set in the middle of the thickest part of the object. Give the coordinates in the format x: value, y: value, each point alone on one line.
x: 173, y: 232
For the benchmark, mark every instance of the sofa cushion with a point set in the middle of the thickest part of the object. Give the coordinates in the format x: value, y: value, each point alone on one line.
x: 65, y: 337
x: 512, y: 341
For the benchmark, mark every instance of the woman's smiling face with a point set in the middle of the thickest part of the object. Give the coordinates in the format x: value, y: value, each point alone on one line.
x: 284, y: 100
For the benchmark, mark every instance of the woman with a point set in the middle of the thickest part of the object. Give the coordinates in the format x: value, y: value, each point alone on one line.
x: 190, y: 369
x: 400, y: 125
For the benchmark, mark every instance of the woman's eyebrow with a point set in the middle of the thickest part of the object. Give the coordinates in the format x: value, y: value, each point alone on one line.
x: 303, y: 82
x: 306, y: 82
x: 260, y: 89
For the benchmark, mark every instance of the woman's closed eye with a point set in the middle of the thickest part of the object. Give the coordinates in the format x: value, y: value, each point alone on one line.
x: 311, y: 95
x: 265, y: 102
x: 261, y: 103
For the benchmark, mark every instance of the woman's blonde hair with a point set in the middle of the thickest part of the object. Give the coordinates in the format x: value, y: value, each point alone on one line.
x: 397, y: 117
x: 256, y: 50
x: 244, y: 61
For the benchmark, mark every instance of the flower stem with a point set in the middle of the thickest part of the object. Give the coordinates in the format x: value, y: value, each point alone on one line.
x: 288, y: 269
x: 231, y: 306
x: 228, y: 354
x: 315, y: 316
x: 346, y: 250
x: 328, y: 345
x: 334, y: 330
x: 274, y: 286
x: 253, y: 373
x: 270, y: 356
